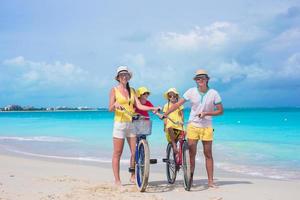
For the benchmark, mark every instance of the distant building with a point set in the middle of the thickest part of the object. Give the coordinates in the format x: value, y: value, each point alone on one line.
x: 102, y: 109
x: 13, y: 108
x: 84, y: 108
x: 29, y: 108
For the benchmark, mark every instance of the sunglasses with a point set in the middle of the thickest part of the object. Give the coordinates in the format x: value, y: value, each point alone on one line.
x: 146, y: 93
x: 200, y: 78
x: 124, y: 75
x: 172, y: 96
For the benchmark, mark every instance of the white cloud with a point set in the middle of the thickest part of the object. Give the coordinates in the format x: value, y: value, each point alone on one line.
x: 229, y: 71
x: 137, y: 60
x: 212, y: 36
x: 292, y: 66
x: 156, y: 76
x: 294, y: 60
x: 255, y: 73
x: 42, y: 73
x: 17, y: 61
x: 285, y: 40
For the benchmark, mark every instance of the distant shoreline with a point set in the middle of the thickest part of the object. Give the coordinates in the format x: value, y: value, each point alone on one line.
x: 34, y: 111
x: 187, y: 108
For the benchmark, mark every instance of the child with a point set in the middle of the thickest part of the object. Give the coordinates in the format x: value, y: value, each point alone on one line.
x: 173, y: 130
x: 142, y: 94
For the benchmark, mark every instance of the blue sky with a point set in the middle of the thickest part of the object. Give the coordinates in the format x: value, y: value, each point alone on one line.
x: 65, y: 53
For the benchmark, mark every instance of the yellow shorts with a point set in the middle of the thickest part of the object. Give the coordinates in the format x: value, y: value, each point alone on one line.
x: 199, y: 133
x: 176, y: 133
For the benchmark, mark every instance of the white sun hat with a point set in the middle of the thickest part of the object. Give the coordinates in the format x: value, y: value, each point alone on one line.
x: 123, y: 70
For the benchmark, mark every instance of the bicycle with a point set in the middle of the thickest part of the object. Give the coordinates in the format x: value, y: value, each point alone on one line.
x: 143, y: 128
x: 174, y: 164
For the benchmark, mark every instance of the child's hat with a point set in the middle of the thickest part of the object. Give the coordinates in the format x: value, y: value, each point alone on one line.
x: 170, y: 90
x: 141, y: 90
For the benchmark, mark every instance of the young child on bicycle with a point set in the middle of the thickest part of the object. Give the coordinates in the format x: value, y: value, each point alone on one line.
x: 143, y: 94
x: 173, y: 130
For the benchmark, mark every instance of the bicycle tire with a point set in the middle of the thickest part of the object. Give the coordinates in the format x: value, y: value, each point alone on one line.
x: 186, y: 166
x: 170, y: 164
x: 142, y: 165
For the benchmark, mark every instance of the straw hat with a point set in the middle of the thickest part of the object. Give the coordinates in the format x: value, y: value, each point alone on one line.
x: 123, y: 70
x: 170, y: 90
x: 201, y: 73
x: 141, y: 90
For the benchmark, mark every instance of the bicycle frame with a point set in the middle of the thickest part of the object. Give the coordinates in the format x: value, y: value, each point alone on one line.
x: 143, y: 127
x: 181, y: 140
x: 182, y: 160
x: 139, y: 154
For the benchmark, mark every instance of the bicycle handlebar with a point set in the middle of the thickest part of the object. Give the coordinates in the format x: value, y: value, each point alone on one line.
x: 140, y: 117
x: 161, y: 116
x: 133, y: 115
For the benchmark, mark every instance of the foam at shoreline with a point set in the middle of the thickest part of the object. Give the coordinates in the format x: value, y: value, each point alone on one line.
x: 242, y: 170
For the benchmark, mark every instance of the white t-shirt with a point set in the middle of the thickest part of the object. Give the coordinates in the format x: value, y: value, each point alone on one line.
x: 201, y: 102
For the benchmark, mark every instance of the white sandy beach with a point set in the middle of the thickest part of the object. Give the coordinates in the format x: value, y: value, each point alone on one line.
x: 30, y: 179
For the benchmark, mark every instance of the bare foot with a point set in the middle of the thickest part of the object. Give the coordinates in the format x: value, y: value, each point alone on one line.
x: 117, y: 183
x: 212, y: 185
x: 192, y: 179
x: 132, y: 179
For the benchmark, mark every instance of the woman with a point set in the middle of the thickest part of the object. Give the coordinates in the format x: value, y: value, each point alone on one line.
x: 122, y: 101
x: 205, y: 103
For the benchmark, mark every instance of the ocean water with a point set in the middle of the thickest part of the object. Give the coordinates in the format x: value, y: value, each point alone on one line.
x: 256, y: 142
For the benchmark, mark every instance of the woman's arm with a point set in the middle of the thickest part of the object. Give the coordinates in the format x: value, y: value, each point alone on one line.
x: 175, y: 106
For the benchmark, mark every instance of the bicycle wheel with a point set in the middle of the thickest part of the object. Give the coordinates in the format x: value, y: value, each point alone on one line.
x: 142, y: 165
x: 186, y: 166
x: 171, y: 164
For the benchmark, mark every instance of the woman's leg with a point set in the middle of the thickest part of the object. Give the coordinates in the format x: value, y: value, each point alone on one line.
x: 118, y: 149
x: 131, y: 142
x: 209, y: 162
x: 193, y: 151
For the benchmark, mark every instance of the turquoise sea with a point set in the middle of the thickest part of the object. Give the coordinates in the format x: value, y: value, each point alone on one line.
x: 256, y: 142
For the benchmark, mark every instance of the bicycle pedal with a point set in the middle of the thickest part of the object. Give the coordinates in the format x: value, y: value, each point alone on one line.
x: 131, y: 169
x: 153, y: 161
x: 165, y: 159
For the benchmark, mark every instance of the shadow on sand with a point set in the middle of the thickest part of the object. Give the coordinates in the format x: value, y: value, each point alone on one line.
x: 198, y: 185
